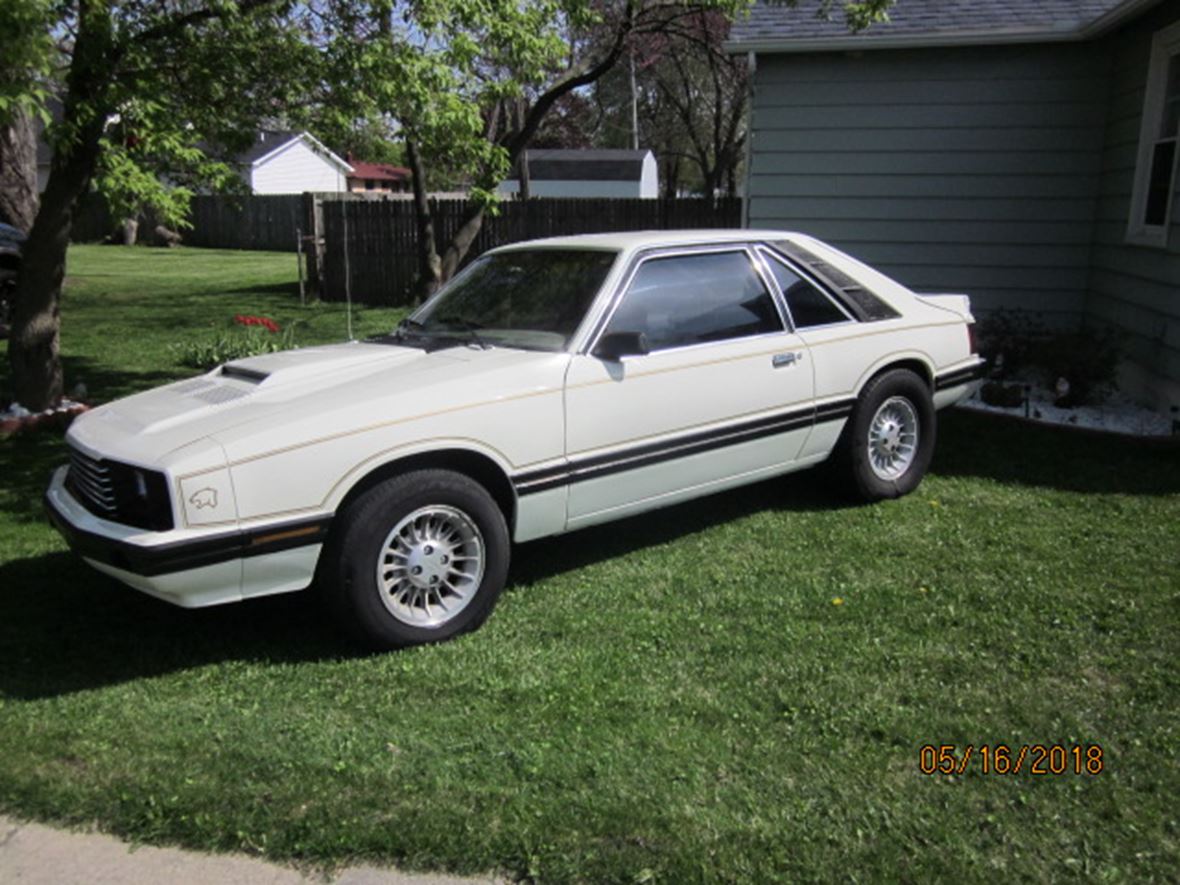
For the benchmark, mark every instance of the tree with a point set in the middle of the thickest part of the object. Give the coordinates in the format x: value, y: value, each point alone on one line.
x: 143, y: 85
x: 469, y: 86
x: 700, y: 92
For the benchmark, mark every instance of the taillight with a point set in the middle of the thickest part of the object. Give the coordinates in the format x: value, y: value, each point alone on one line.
x: 972, y: 344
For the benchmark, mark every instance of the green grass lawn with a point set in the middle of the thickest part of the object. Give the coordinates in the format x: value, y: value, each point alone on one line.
x: 731, y: 690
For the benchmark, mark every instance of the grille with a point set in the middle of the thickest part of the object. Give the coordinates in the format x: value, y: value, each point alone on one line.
x: 120, y: 492
x: 91, y: 483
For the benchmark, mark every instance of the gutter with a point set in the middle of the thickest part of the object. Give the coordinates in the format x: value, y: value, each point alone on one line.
x: 1058, y: 33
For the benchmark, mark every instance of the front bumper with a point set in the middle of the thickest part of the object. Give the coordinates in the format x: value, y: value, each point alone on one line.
x: 191, y: 568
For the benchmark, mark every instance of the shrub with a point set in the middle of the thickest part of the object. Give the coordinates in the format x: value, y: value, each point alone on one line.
x: 1009, y: 339
x: 1017, y: 341
x: 249, y: 336
x: 1087, y: 359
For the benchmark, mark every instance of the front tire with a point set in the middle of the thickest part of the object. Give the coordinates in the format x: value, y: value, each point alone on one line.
x: 418, y: 558
x: 889, y: 440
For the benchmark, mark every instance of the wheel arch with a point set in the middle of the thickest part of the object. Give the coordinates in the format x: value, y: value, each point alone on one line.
x: 914, y: 362
x: 477, y: 465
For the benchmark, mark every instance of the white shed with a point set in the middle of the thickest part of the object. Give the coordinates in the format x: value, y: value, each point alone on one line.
x: 292, y: 163
x: 589, y: 173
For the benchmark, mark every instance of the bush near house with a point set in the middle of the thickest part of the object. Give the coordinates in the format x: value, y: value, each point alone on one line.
x: 739, y: 691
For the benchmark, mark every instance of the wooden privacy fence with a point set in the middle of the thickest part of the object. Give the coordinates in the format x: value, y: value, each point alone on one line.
x: 265, y: 222
x: 370, y: 248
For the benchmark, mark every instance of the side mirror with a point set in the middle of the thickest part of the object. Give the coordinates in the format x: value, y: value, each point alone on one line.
x: 616, y: 345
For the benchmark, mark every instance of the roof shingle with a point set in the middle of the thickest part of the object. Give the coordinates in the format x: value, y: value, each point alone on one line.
x: 920, y: 18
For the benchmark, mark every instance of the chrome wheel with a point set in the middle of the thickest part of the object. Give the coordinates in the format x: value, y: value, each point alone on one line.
x: 893, y: 438
x: 430, y: 566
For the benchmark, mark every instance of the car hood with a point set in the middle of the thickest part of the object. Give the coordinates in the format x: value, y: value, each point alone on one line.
x: 237, y: 399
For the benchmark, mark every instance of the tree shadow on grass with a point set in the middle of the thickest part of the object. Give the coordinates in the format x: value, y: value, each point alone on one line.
x: 66, y: 628
x: 103, y: 383
x: 291, y: 288
x: 995, y: 447
x: 808, y: 491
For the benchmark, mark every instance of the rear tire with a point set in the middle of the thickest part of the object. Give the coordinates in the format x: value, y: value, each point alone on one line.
x: 418, y: 558
x: 889, y: 440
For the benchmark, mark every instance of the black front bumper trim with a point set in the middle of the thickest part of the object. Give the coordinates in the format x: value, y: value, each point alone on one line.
x: 180, y: 556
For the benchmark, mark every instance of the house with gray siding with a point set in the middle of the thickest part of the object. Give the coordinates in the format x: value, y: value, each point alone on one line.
x: 1022, y: 152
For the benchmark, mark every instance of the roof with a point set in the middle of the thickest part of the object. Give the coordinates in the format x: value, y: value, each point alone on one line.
x: 378, y: 171
x: 627, y: 240
x: 586, y: 165
x: 914, y: 23
x: 271, y: 141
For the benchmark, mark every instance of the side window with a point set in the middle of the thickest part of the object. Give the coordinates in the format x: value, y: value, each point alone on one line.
x: 1155, y: 170
x: 692, y: 299
x: 809, y: 306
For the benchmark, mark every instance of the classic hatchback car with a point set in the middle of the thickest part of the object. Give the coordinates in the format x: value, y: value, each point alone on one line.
x: 552, y: 385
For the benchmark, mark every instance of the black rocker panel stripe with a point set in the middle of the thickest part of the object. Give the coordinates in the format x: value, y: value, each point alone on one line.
x: 179, y: 556
x: 580, y: 470
x: 960, y: 376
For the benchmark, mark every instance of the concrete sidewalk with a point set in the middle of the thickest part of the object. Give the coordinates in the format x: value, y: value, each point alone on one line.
x: 33, y: 854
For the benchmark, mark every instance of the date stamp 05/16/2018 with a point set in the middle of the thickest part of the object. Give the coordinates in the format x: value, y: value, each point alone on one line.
x: 1031, y: 759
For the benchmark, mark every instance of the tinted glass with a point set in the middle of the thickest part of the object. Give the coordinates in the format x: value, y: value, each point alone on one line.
x: 532, y: 299
x: 691, y: 299
x: 809, y: 306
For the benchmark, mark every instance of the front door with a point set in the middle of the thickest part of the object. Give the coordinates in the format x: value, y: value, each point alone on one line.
x: 723, y: 396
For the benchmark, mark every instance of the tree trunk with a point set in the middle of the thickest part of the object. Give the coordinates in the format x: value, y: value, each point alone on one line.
x: 33, y: 344
x: 429, y: 264
x: 461, y: 242
x: 18, y: 171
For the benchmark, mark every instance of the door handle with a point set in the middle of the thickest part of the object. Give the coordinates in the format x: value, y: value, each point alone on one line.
x: 779, y: 360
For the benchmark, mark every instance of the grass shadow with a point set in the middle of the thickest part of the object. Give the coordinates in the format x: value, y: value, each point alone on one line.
x: 28, y: 461
x: 807, y: 491
x: 972, y: 444
x: 66, y: 628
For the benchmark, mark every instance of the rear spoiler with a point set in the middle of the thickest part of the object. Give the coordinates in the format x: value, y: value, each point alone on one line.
x: 959, y: 304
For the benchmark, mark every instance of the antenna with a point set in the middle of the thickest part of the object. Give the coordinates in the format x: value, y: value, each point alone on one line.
x: 347, y: 272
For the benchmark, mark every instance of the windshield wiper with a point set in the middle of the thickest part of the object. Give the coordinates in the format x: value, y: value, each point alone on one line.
x: 407, y: 325
x: 468, y: 326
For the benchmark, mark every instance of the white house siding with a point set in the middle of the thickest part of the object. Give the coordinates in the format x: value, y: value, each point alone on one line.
x: 1136, y: 288
x: 297, y: 168
x: 972, y: 169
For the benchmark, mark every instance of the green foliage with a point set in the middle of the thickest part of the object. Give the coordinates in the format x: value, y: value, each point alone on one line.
x: 27, y: 56
x: 232, y: 344
x: 148, y: 164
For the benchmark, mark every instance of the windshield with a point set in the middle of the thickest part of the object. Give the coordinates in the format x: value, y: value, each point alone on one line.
x: 531, y: 299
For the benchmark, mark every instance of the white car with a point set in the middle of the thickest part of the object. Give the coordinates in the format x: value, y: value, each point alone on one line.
x: 552, y: 385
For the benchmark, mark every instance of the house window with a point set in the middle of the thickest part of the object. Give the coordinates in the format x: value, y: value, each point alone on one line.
x: 1155, y: 172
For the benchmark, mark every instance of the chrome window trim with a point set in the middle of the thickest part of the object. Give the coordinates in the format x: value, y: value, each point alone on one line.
x: 658, y: 252
x: 769, y: 255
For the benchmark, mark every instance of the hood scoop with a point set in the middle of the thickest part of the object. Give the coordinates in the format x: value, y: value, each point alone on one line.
x: 241, y: 373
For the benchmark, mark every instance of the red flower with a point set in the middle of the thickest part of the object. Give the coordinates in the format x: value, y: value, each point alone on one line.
x: 266, y: 322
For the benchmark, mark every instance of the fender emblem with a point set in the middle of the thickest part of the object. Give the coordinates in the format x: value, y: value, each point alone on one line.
x: 203, y: 498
